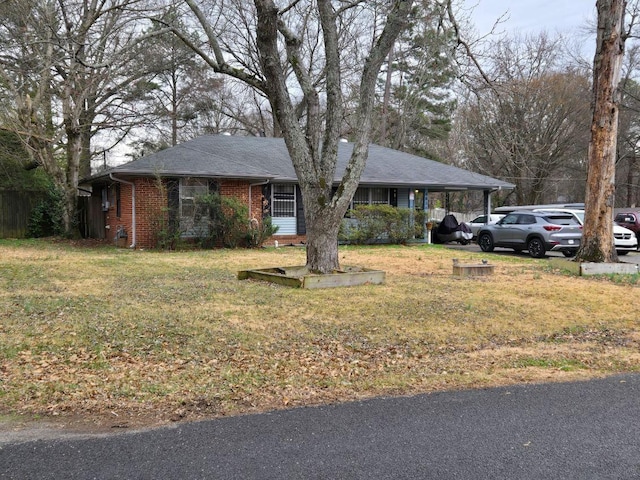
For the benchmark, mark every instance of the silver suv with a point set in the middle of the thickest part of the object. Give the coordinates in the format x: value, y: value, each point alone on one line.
x: 536, y: 232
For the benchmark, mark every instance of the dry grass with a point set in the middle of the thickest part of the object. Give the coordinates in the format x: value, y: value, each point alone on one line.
x: 127, y: 338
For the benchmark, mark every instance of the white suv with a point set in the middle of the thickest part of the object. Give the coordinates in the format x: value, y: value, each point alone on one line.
x: 624, y: 239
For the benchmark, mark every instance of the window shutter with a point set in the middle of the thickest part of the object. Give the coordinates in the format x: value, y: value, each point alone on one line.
x: 301, y: 226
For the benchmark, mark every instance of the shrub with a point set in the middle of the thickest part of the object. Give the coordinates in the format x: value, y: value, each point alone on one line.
x: 381, y: 223
x: 227, y: 224
x: 46, y: 218
x: 167, y: 238
x: 258, y: 233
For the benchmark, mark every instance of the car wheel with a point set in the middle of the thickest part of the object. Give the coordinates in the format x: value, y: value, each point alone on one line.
x: 486, y: 242
x: 568, y: 253
x: 536, y: 248
x: 623, y: 252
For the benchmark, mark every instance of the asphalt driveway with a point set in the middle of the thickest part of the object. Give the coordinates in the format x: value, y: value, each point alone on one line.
x: 582, y: 430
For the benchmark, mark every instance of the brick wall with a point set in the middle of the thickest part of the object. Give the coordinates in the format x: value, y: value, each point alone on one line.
x: 151, y: 211
x: 151, y: 203
x: 152, y: 216
x: 240, y: 189
x: 284, y: 240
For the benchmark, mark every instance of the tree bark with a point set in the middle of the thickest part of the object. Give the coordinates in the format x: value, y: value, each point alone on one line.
x: 597, y: 239
x: 314, y: 149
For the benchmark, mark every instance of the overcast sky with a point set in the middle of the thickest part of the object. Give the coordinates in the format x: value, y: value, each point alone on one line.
x: 527, y: 17
x: 532, y: 16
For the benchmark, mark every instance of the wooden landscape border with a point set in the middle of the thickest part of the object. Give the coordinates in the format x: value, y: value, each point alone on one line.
x: 299, y: 277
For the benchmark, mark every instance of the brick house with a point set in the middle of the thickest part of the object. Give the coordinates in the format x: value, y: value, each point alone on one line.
x: 132, y: 202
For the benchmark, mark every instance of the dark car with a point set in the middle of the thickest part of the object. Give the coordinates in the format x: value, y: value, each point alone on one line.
x: 630, y: 220
x: 536, y: 232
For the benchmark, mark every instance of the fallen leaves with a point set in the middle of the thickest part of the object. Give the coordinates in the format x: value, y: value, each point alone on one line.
x: 175, y: 337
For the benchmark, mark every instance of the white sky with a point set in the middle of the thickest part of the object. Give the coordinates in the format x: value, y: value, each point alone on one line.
x: 532, y: 16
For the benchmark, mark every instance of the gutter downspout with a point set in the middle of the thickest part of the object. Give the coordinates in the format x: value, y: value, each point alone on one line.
x: 133, y: 208
x: 251, y: 185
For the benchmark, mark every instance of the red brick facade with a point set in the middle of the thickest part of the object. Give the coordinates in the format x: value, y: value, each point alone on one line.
x: 151, y: 208
x: 286, y: 240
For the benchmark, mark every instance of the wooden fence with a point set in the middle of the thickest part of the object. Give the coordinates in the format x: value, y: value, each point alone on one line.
x: 15, y: 210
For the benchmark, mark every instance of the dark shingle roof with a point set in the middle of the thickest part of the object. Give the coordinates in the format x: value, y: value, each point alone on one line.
x: 258, y: 158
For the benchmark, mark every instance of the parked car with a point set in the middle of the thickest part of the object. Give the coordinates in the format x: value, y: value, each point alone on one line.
x: 536, y: 232
x: 630, y: 220
x: 624, y: 239
x: 480, y: 221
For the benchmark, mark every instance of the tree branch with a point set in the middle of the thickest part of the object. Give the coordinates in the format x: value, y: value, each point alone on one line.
x: 218, y: 64
x: 335, y: 106
x: 464, y: 43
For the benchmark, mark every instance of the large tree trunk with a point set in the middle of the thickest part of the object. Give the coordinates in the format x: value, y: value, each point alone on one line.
x: 597, y: 240
x: 314, y: 148
x: 322, y: 245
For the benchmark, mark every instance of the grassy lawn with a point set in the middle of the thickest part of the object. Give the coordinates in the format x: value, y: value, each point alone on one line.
x: 119, y: 337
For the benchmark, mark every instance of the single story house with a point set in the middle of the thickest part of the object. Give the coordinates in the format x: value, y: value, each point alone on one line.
x: 132, y: 200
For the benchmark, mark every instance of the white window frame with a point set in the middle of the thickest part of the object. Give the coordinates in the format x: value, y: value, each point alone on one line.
x: 289, y: 203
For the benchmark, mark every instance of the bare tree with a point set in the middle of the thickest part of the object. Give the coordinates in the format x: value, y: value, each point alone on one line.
x: 183, y: 98
x: 528, y: 125
x: 628, y: 147
x: 597, y: 240
x: 68, y: 71
x: 294, y: 53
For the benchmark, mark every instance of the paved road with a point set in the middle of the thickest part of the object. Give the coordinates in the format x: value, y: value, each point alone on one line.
x: 584, y: 430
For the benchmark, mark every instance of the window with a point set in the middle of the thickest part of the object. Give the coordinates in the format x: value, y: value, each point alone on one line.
x: 563, y: 219
x: 370, y: 196
x: 361, y: 197
x: 192, y: 225
x: 527, y: 220
x: 379, y: 196
x: 283, y: 202
x: 510, y: 220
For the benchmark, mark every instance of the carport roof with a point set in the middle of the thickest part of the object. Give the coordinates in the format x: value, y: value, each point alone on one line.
x: 267, y: 159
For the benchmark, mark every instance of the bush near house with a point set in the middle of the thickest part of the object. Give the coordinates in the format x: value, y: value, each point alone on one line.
x: 221, y: 221
x: 370, y: 224
x: 226, y: 223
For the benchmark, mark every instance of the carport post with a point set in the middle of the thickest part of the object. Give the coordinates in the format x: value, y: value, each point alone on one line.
x: 487, y: 203
x: 412, y: 199
x: 425, y: 208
